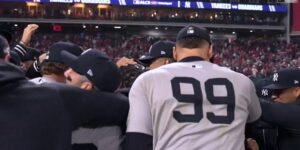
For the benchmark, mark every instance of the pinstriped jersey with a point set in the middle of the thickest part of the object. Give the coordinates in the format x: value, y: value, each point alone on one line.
x: 193, y: 105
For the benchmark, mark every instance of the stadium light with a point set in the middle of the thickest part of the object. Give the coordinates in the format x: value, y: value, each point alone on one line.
x: 251, y: 31
x: 156, y: 28
x: 233, y: 32
x: 79, y: 5
x: 96, y: 27
x: 102, y: 6
x: 16, y: 25
x: 83, y: 26
x: 30, y: 4
x: 117, y: 27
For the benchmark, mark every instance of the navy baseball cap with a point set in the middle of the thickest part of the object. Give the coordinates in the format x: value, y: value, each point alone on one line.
x: 284, y: 79
x: 194, y: 31
x: 55, y: 50
x: 97, y: 67
x: 261, y: 91
x: 158, y: 50
x: 14, y: 58
x: 32, y: 54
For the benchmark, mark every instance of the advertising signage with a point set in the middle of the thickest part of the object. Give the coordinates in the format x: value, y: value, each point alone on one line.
x: 173, y: 4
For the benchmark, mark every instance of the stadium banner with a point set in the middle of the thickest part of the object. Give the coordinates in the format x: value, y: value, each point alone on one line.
x: 173, y: 4
x: 296, y: 17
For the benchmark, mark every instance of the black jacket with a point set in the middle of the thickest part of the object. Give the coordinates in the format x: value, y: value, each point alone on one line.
x: 34, y: 117
x: 287, y: 118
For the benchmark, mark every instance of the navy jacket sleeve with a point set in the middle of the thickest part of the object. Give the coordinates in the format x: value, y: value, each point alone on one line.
x: 21, y: 50
x: 94, y: 107
x: 33, y: 71
x: 284, y: 115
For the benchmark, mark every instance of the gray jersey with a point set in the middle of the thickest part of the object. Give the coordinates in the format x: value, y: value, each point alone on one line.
x: 41, y: 80
x: 193, y: 105
x: 104, y: 138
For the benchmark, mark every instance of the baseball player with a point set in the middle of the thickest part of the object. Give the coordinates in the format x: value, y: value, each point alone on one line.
x: 93, y: 70
x: 53, y: 67
x: 160, y: 53
x: 42, y: 117
x: 190, y: 104
x: 284, y: 111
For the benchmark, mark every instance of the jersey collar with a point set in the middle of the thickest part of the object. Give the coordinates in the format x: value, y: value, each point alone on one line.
x: 191, y: 58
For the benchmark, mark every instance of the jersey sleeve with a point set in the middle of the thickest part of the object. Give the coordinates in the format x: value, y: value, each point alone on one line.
x: 254, y: 105
x: 139, y: 117
x: 21, y: 50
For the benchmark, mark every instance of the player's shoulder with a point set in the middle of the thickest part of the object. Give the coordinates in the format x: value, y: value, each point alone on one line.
x: 37, y: 80
x: 237, y: 77
x: 153, y: 75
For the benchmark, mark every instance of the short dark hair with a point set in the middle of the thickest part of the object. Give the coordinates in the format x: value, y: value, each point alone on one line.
x: 48, y: 68
x: 192, y: 42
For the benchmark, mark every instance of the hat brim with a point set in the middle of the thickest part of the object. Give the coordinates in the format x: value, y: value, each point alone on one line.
x: 70, y: 60
x: 276, y: 87
x: 146, y: 59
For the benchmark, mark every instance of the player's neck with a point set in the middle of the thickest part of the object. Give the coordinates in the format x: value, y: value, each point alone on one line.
x: 182, y: 56
x: 57, y: 78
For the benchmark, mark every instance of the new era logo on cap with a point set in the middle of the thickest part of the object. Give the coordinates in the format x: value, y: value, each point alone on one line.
x: 90, y: 72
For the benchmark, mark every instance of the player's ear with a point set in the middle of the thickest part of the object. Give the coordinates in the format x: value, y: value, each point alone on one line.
x: 174, y: 53
x: 297, y: 90
x: 86, y: 86
x: 210, y: 51
x: 6, y: 58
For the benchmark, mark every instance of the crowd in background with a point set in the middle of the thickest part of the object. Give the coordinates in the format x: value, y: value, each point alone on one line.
x: 254, y: 57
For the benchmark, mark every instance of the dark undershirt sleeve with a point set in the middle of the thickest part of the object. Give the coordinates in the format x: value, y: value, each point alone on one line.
x: 135, y: 141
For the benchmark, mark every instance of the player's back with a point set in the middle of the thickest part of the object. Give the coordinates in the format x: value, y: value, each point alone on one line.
x: 199, y: 105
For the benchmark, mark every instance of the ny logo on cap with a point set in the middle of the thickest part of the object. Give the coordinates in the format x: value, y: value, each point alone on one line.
x: 90, y: 72
x: 190, y: 30
x: 162, y: 52
x: 264, y: 92
x: 296, y: 82
x: 275, y: 77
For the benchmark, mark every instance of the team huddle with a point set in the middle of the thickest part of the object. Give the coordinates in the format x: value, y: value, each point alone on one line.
x: 173, y: 98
